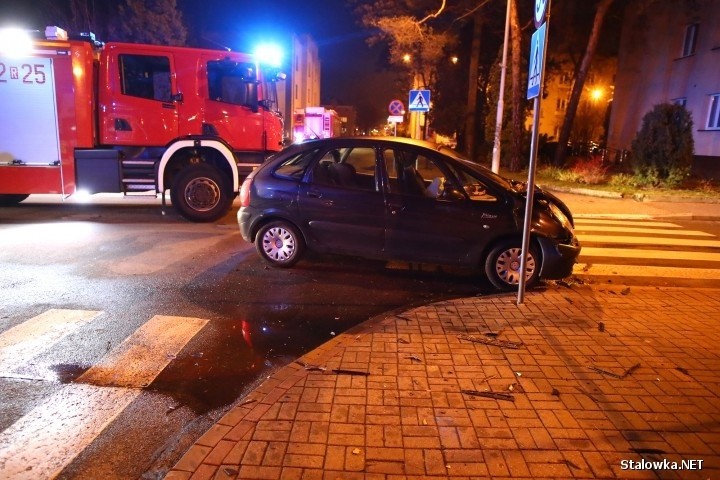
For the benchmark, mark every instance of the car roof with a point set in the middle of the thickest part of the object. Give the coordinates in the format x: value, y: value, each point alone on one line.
x: 372, y: 139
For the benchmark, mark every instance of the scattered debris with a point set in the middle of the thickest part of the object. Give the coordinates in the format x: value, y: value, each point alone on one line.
x: 630, y: 370
x: 491, y: 341
x: 197, y: 355
x: 341, y: 371
x: 403, y: 318
x: 625, y: 291
x: 308, y: 366
x: 601, y: 327
x: 571, y: 464
x: 414, y: 357
x: 625, y: 374
x: 648, y: 451
x: 587, y: 267
x: 569, y: 300
x: 495, y: 395
x: 555, y: 392
x: 356, y: 451
x: 230, y: 472
x: 490, y: 333
x: 249, y: 400
x: 605, y: 372
x: 172, y: 408
x: 402, y: 340
x: 332, y: 334
x: 424, y: 422
x: 683, y: 371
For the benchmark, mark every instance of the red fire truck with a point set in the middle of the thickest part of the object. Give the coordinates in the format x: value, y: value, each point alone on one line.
x: 316, y: 122
x: 78, y: 115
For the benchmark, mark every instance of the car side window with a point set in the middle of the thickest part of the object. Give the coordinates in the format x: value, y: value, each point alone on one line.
x: 347, y: 167
x: 410, y: 173
x: 295, y: 166
x: 473, y: 186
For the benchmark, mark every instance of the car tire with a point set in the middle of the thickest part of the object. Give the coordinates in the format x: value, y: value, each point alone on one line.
x: 280, y: 244
x: 12, y: 199
x: 502, y: 265
x: 201, y: 193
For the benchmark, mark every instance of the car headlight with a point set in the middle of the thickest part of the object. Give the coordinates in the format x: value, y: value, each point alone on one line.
x: 560, y: 216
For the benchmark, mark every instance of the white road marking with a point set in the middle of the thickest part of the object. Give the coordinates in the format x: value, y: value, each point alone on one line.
x: 648, y: 253
x: 21, y: 343
x: 43, y: 442
x: 583, y: 269
x: 676, y: 242
x: 600, y: 221
x: 654, y: 231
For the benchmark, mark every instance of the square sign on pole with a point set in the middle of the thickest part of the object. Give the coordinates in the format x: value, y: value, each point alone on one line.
x: 537, y: 47
x: 419, y: 101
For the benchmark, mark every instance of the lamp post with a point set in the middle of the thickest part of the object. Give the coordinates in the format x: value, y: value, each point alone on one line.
x: 495, y: 167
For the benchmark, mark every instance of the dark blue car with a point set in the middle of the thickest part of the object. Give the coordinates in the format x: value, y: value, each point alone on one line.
x: 401, y: 199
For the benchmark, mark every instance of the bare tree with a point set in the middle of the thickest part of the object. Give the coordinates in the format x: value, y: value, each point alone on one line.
x: 580, y: 76
x: 518, y: 117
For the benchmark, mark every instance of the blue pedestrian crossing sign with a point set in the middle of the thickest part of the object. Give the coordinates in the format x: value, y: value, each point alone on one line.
x: 419, y: 101
x: 537, y: 49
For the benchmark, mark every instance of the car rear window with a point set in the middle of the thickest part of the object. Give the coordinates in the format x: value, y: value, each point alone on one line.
x: 294, y: 167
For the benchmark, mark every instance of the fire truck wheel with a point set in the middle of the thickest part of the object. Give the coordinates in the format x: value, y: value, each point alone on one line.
x: 9, y: 200
x: 201, y: 193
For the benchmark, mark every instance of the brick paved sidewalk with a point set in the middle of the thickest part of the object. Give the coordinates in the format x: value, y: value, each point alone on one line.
x: 601, y: 376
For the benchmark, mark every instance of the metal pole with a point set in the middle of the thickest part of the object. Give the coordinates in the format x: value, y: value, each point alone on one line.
x: 529, y: 201
x: 531, y: 170
x: 501, y: 96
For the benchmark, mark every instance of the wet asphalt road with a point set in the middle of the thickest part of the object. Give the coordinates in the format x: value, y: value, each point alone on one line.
x: 131, y: 263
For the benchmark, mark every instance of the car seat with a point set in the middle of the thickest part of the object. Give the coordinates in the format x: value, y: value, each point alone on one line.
x: 343, y: 174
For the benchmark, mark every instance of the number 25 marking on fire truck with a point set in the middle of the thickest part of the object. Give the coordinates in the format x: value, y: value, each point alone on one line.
x: 30, y: 73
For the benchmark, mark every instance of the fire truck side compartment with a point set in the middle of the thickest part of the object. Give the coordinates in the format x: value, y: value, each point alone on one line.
x: 98, y: 170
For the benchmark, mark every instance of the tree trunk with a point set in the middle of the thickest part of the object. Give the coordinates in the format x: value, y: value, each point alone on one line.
x: 580, y: 77
x: 517, y: 112
x: 471, y: 118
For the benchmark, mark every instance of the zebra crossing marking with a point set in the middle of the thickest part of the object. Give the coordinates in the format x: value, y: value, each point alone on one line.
x: 633, y: 229
x: 49, y: 437
x: 646, y: 254
x: 675, y: 242
x: 21, y: 343
x: 605, y: 269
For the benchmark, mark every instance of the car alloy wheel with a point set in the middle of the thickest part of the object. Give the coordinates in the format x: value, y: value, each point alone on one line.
x: 503, y: 265
x: 279, y: 244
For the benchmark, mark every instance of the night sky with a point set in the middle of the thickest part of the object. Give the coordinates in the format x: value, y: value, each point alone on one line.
x: 350, y: 73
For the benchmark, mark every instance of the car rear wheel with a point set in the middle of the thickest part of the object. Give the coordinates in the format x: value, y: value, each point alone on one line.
x: 279, y: 243
x: 502, y: 266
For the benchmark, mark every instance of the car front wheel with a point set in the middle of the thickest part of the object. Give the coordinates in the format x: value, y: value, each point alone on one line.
x: 502, y: 266
x: 279, y: 243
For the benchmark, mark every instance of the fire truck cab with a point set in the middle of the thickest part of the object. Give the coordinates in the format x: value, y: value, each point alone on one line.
x: 79, y: 115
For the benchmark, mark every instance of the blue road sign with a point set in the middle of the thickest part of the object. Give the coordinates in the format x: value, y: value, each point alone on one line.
x: 537, y: 47
x: 419, y: 101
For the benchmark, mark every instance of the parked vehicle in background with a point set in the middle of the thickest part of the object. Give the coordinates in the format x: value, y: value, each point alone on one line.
x: 316, y: 122
x: 80, y: 115
x: 393, y: 198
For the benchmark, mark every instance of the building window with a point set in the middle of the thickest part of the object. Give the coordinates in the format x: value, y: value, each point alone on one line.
x: 682, y: 101
x: 691, y: 33
x: 714, y: 114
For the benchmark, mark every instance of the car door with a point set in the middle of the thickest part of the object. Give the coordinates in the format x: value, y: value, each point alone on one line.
x: 430, y: 216
x: 340, y: 203
x: 139, y: 107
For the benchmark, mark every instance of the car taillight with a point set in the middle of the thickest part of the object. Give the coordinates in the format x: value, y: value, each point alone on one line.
x: 245, y: 192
